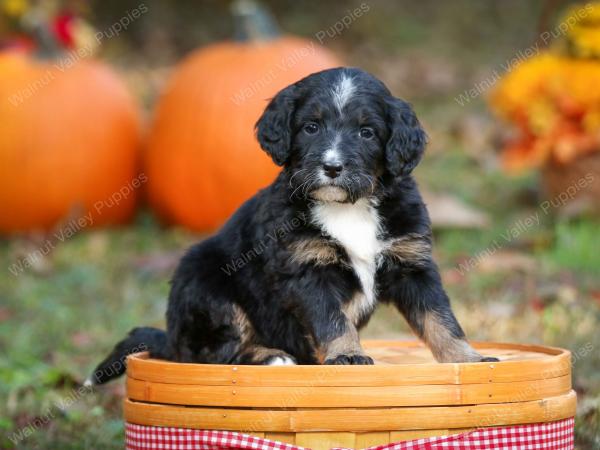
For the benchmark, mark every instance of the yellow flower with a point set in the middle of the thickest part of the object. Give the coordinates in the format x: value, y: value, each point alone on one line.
x: 541, y: 115
x: 14, y: 8
x: 591, y: 121
x: 582, y: 24
x: 514, y: 93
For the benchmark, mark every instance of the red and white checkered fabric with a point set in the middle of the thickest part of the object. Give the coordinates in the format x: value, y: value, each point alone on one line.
x: 541, y: 436
x: 142, y: 437
x: 557, y: 435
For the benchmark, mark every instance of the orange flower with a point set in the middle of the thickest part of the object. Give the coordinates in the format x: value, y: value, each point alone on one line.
x: 524, y: 153
x: 526, y: 81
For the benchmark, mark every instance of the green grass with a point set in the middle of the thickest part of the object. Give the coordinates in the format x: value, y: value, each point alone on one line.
x: 576, y: 247
x: 62, y: 317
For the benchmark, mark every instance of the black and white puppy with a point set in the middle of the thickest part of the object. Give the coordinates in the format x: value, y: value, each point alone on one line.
x: 301, y: 266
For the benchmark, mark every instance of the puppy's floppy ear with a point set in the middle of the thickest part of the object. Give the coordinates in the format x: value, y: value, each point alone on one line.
x: 407, y: 140
x: 274, y: 128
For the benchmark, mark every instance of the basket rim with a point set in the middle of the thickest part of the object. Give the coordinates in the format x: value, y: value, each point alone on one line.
x: 555, y: 363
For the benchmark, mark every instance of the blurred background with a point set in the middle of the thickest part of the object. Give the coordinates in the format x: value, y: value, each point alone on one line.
x: 119, y: 121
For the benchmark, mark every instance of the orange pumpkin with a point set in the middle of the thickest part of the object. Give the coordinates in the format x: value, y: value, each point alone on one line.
x: 203, y: 160
x: 69, y: 140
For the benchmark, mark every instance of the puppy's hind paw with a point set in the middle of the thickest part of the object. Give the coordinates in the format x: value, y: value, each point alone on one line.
x: 280, y: 361
x: 363, y: 360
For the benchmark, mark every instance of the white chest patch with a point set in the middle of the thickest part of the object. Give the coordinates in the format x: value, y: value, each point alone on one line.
x: 356, y: 228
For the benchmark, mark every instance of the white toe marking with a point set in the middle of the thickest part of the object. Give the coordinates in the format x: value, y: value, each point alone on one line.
x: 88, y: 383
x: 342, y: 92
x: 282, y: 361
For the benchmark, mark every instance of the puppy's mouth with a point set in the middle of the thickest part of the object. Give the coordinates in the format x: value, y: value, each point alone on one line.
x: 330, y: 193
x: 345, y: 188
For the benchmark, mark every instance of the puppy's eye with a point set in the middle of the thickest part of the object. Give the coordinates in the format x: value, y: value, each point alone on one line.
x: 311, y: 128
x: 366, y: 133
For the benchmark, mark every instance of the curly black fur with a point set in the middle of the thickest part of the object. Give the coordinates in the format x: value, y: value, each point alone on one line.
x: 273, y: 283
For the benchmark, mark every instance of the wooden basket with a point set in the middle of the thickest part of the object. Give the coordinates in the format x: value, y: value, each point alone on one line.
x: 406, y: 395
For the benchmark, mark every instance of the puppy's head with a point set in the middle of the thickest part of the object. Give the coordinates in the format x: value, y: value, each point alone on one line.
x: 338, y: 132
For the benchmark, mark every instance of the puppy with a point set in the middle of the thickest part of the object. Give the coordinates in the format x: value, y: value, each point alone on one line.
x: 301, y: 266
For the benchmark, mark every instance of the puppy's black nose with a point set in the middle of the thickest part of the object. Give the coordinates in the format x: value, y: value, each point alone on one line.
x: 332, y: 170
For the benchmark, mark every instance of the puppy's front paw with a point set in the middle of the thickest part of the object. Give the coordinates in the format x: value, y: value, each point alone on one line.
x: 350, y: 360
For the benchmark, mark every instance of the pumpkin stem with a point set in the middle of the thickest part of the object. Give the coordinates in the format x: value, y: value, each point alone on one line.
x: 253, y: 22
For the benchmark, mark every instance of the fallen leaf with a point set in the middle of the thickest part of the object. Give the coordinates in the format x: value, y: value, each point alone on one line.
x: 537, y: 304
x: 81, y: 339
x: 452, y: 276
x: 158, y: 263
x: 596, y: 296
x: 448, y: 211
x: 5, y: 314
x: 506, y: 260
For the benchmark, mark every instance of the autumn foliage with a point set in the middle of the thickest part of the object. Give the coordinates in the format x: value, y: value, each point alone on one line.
x: 553, y: 99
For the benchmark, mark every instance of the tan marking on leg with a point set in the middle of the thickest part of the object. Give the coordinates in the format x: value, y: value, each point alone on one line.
x: 243, y: 324
x: 444, y: 346
x: 357, y: 308
x: 257, y: 353
x: 346, y: 344
x: 319, y: 354
x: 412, y: 248
x: 317, y: 251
